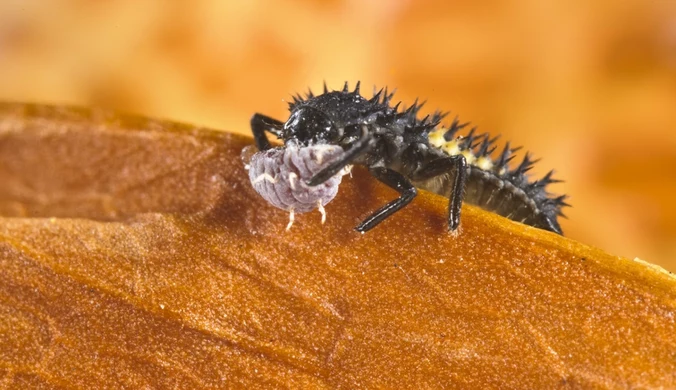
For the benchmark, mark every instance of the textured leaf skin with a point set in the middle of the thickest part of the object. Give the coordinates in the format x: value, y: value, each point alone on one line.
x: 134, y: 252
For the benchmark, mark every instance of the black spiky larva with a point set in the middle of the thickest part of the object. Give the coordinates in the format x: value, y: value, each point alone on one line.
x: 279, y: 175
x: 406, y: 152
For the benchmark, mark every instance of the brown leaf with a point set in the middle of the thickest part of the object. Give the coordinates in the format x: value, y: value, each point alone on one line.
x: 135, y: 253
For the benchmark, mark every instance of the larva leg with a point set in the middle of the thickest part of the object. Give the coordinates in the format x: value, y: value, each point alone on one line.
x: 396, y: 181
x: 359, y: 147
x: 458, y: 165
x: 259, y: 125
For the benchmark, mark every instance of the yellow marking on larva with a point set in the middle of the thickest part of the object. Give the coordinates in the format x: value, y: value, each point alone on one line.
x: 452, y: 147
x: 469, y: 156
x: 436, y: 138
x: 484, y: 163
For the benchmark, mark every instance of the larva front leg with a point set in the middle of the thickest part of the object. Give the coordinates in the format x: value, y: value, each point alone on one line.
x: 260, y: 124
x: 394, y: 180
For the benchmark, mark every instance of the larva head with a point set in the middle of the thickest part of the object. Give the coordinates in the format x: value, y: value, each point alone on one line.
x: 308, y: 125
x: 334, y: 117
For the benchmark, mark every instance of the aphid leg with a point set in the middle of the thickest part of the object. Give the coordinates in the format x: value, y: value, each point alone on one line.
x: 347, y: 170
x: 259, y: 125
x: 319, y: 154
x: 441, y: 166
x: 291, y: 218
x: 264, y: 176
x: 293, y: 178
x: 359, y: 147
x: 396, y: 181
x: 322, y: 211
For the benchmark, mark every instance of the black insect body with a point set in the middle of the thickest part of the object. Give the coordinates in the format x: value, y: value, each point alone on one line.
x: 406, y: 152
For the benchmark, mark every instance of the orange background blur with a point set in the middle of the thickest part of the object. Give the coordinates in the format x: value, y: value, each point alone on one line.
x: 588, y: 86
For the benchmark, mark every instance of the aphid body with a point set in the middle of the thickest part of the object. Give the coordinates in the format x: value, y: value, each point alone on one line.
x: 406, y: 152
x: 279, y: 175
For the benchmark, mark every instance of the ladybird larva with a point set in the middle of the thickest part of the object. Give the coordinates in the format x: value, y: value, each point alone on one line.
x: 406, y: 152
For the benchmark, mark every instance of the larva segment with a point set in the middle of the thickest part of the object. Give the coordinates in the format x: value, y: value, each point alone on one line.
x: 493, y: 185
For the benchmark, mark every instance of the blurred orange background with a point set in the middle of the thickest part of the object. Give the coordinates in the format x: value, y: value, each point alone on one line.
x: 588, y: 86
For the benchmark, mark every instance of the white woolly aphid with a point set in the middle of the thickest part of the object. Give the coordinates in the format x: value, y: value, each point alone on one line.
x: 279, y: 176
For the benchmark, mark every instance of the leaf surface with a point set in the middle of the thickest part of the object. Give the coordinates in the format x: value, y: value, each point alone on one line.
x: 134, y: 252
